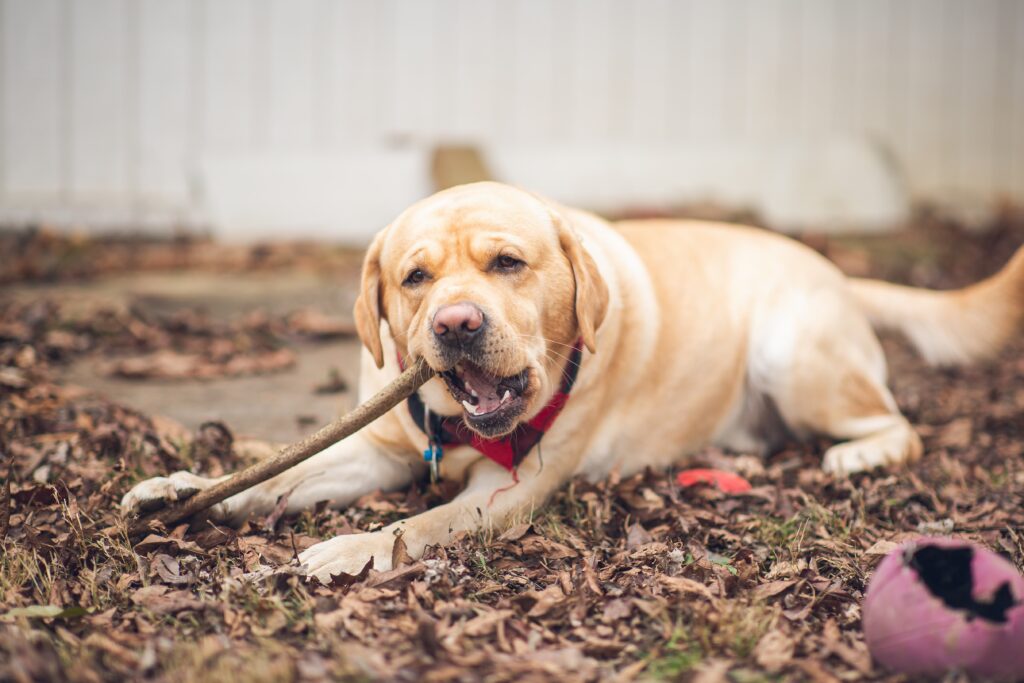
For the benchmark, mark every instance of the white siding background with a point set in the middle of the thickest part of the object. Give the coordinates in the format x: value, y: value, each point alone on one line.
x: 110, y: 108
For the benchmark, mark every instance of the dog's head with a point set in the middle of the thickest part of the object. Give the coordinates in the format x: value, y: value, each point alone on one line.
x: 489, y: 285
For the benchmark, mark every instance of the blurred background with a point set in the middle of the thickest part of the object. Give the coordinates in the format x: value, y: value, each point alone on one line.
x: 186, y: 186
x: 259, y: 119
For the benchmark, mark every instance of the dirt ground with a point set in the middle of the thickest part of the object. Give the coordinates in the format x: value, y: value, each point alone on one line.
x: 628, y: 579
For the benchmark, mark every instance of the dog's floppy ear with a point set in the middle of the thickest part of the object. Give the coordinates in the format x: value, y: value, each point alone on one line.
x: 591, y: 291
x: 368, y: 303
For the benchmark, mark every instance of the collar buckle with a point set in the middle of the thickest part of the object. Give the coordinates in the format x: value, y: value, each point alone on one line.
x: 432, y: 455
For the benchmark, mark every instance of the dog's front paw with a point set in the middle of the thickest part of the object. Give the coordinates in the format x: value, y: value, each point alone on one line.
x: 347, y: 554
x: 153, y: 494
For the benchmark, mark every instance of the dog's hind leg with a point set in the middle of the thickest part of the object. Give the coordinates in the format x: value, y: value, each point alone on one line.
x: 832, y: 383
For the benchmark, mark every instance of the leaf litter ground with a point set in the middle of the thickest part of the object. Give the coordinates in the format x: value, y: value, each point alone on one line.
x: 626, y: 579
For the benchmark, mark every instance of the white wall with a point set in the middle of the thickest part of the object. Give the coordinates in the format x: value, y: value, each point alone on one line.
x: 109, y: 108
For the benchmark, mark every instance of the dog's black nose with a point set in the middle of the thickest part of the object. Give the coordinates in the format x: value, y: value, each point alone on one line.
x: 458, y: 323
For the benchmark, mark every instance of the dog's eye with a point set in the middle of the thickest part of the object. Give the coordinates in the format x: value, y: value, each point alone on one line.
x: 507, y: 263
x: 414, y: 278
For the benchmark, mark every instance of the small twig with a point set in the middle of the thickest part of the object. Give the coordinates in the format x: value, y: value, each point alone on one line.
x: 271, y: 520
x: 387, y: 398
x: 5, y: 499
x: 295, y: 550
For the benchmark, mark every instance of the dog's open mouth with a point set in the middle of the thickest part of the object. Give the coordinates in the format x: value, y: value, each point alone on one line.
x: 489, y: 402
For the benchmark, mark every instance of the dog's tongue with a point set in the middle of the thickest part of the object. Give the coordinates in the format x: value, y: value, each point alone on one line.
x: 485, y: 386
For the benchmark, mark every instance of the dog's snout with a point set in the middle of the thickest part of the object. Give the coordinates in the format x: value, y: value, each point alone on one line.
x: 458, y: 323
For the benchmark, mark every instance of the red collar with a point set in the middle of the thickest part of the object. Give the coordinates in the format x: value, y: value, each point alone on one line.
x: 509, y: 450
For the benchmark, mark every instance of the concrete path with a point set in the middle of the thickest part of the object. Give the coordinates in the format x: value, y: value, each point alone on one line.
x: 278, y: 407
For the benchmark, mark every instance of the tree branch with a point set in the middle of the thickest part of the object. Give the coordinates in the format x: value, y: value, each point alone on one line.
x: 386, y: 399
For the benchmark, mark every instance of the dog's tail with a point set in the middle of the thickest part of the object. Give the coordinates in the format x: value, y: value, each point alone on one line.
x: 950, y: 327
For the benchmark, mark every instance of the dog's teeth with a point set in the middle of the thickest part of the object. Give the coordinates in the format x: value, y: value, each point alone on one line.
x: 507, y: 396
x: 470, y: 408
x: 472, y: 392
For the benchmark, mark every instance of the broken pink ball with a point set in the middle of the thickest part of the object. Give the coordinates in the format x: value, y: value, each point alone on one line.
x: 937, y: 604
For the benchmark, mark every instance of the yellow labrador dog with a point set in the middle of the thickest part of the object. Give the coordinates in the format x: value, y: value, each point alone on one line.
x: 566, y: 345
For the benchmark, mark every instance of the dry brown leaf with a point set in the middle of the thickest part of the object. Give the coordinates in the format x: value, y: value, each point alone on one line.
x: 545, y: 600
x: 343, y: 580
x: 637, y: 536
x: 683, y: 585
x: 958, y: 433
x: 486, y: 623
x: 713, y: 671
x: 882, y: 547
x: 398, y: 576
x: 157, y: 542
x: 546, y: 548
x: 168, y: 569
x: 772, y: 588
x: 159, y: 599
x: 774, y: 651
x: 516, y: 532
x: 617, y: 609
x: 399, y: 553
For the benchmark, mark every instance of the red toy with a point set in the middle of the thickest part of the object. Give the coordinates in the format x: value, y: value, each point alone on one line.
x: 724, y: 481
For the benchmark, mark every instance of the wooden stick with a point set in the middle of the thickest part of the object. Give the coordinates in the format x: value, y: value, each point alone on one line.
x: 384, y: 400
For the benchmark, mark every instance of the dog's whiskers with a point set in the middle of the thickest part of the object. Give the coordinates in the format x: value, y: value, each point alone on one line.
x: 553, y: 352
x: 546, y: 339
